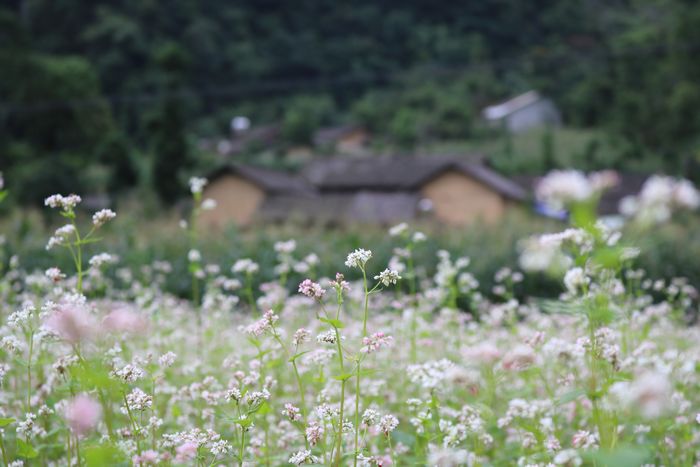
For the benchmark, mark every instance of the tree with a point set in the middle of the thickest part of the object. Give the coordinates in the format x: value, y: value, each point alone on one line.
x: 169, y: 142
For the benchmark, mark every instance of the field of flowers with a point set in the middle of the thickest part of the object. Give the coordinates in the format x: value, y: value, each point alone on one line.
x: 375, y: 366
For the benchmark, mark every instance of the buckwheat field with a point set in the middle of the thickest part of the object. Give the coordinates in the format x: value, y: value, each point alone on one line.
x: 376, y: 366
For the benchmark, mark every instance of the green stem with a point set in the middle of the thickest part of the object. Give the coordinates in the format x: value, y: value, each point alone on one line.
x: 303, y: 399
x: 240, y: 448
x: 79, y: 262
x: 300, y: 385
x: 357, y: 383
x: 412, y: 287
x: 249, y: 292
x: 69, y: 452
x: 108, y: 413
x: 339, y: 441
x: 29, y: 370
x: 391, y: 450
x: 133, y: 423
x: 4, y: 454
x: 77, y: 448
x: 364, y: 319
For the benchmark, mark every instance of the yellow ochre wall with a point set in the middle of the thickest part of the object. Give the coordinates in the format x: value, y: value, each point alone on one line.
x: 237, y: 201
x: 460, y: 200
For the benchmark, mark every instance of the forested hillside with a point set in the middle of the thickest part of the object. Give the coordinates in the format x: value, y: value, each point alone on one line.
x: 124, y: 88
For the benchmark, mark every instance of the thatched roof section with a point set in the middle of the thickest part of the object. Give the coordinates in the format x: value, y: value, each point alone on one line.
x: 271, y: 181
x: 401, y: 173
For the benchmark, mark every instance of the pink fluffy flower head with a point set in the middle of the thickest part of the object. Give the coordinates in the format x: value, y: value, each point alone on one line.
x: 187, y: 451
x: 125, y: 320
x: 82, y: 414
x: 72, y: 322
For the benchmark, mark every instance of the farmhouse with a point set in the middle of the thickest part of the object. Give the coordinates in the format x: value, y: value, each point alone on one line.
x: 371, y: 190
x: 243, y: 192
x: 522, y: 113
x: 346, y: 139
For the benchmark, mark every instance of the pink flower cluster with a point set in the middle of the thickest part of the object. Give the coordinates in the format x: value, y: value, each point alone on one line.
x: 375, y: 342
x: 311, y: 289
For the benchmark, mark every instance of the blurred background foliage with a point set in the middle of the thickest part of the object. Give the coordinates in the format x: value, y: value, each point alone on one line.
x: 138, y: 242
x: 111, y: 97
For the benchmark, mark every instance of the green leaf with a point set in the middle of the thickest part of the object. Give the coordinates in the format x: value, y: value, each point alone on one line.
x: 344, y: 376
x: 87, y: 241
x: 601, y: 315
x: 404, y: 438
x: 333, y: 322
x: 255, y: 342
x: 608, y: 257
x: 583, y: 214
x: 570, y: 396
x: 25, y: 449
x: 245, y: 422
x: 6, y: 421
x: 100, y: 455
x: 563, y: 308
x: 297, y: 355
x: 624, y: 456
x: 263, y: 409
x: 92, y: 374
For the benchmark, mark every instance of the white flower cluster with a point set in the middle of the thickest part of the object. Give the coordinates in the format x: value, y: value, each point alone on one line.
x: 388, y: 277
x: 102, y: 216
x: 167, y: 359
x: 430, y: 374
x: 61, y: 236
x: 20, y: 318
x: 209, y: 204
x: 138, y: 401
x: 245, y: 265
x: 387, y: 424
x: 575, y: 280
x: 327, y: 337
x: 54, y: 274
x: 194, y: 256
x: 659, y: 196
x: 650, y: 392
x: 101, y: 259
x: 303, y: 457
x: 66, y: 203
x: 358, y: 258
x: 560, y: 188
x: 285, y: 247
x: 398, y: 229
x: 545, y: 252
x: 129, y: 373
x: 197, y: 184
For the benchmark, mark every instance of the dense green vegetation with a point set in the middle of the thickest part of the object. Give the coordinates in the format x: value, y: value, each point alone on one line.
x: 139, y: 243
x: 123, y: 90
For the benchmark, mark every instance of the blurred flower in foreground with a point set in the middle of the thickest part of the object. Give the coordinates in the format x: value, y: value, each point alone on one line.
x: 82, y: 414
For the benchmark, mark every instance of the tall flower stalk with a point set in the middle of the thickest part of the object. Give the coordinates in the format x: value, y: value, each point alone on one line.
x: 69, y: 235
x: 358, y: 259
